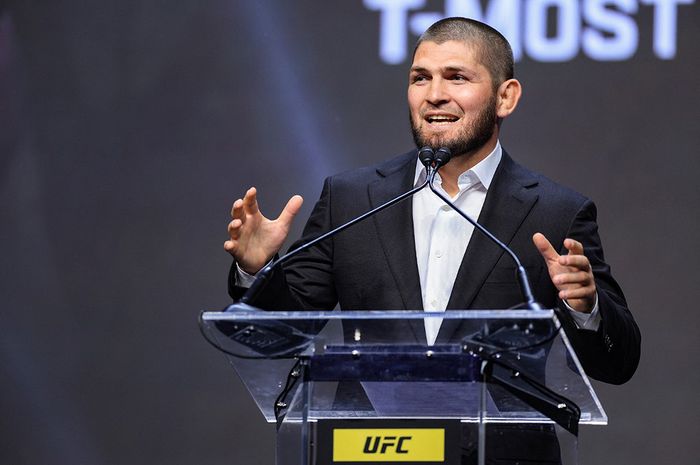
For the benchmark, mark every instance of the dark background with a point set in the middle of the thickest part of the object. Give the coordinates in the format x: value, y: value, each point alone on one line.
x: 127, y: 129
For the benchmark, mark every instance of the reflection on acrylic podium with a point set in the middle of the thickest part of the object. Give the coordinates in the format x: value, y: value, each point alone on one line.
x: 351, y: 387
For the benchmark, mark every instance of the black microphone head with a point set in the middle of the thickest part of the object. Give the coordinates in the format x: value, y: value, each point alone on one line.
x: 426, y: 156
x: 442, y: 156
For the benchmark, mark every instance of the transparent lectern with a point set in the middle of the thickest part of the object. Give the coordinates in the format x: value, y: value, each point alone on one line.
x: 503, y: 386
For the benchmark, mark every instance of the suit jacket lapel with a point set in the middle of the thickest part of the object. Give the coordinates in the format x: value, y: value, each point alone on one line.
x: 508, y: 202
x: 395, y: 232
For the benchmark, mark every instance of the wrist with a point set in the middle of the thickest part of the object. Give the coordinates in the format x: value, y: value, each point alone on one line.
x: 582, y: 305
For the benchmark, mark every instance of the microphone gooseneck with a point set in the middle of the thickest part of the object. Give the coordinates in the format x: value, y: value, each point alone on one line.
x: 442, y: 157
x: 426, y: 155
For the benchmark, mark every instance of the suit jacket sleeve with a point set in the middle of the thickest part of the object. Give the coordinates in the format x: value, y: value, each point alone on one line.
x: 305, y: 282
x: 610, y: 354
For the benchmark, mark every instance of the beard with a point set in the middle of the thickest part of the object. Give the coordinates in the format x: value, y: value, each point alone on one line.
x: 470, y: 138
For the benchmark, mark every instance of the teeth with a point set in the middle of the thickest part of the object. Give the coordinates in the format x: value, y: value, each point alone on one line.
x: 441, y: 119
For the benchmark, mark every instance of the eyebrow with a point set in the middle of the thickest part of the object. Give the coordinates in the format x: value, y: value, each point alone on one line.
x: 420, y: 69
x: 456, y: 68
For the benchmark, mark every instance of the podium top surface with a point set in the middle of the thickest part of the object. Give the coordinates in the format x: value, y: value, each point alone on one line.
x: 239, y: 313
x: 377, y: 364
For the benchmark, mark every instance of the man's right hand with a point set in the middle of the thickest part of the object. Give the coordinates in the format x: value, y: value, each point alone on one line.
x: 254, y: 239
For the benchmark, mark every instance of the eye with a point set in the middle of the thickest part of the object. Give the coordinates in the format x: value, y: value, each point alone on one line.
x: 458, y: 78
x: 418, y: 78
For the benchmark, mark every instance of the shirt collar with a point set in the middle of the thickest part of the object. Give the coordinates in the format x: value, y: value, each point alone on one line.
x: 484, y: 170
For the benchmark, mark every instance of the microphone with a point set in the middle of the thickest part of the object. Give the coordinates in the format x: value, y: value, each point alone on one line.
x: 442, y: 157
x: 426, y: 156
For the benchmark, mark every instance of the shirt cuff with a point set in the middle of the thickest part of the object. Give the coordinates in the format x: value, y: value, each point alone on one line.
x: 589, y: 321
x: 244, y: 279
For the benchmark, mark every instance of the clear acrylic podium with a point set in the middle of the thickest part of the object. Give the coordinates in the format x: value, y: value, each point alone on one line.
x: 489, y: 371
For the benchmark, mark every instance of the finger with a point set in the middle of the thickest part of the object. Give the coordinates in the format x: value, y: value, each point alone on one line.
x: 573, y: 246
x: 234, y: 228
x: 577, y: 261
x: 237, y: 209
x: 291, y: 209
x: 250, y: 201
x: 545, y: 247
x: 580, y: 277
x: 230, y: 246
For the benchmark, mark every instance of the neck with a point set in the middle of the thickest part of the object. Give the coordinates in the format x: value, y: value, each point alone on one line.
x: 463, y: 162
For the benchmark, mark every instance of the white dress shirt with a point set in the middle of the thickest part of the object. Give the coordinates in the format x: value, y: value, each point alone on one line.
x: 441, y: 235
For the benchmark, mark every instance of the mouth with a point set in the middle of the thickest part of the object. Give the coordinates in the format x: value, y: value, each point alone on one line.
x: 441, y: 119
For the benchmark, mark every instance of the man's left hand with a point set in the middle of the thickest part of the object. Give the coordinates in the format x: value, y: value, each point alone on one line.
x: 571, y: 274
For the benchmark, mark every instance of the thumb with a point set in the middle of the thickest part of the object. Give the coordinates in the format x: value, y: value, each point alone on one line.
x: 291, y: 209
x: 545, y: 247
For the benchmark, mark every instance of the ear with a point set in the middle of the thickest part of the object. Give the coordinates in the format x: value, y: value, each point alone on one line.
x: 507, y: 97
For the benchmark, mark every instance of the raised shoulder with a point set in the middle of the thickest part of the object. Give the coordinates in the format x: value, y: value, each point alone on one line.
x: 547, y: 189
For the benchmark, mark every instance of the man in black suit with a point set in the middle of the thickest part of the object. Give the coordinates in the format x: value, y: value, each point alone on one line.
x: 414, y: 255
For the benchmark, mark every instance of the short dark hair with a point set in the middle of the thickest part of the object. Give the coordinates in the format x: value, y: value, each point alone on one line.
x: 492, y: 49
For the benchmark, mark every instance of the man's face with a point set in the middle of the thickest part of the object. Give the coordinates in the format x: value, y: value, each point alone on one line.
x: 451, y: 98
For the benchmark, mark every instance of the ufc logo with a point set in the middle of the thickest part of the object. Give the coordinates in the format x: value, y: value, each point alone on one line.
x: 379, y: 444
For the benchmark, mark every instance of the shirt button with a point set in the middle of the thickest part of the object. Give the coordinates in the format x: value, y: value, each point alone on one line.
x: 445, y: 208
x: 438, y: 253
x: 434, y: 304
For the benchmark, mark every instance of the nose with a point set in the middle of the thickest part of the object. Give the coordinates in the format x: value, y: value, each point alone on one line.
x: 437, y: 93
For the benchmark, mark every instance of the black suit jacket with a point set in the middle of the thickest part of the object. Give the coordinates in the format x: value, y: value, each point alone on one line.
x: 373, y: 264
